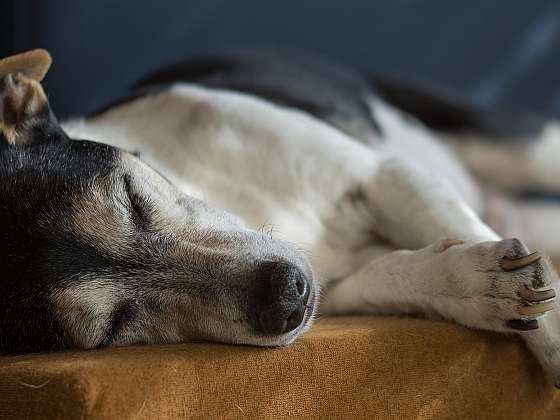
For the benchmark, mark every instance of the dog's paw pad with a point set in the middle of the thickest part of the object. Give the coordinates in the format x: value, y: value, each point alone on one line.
x: 523, y: 324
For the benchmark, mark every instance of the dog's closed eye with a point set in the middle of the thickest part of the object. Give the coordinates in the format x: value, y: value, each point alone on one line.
x: 140, y: 208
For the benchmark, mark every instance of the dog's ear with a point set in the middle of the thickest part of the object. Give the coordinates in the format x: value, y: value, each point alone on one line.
x: 25, y: 115
x: 32, y: 64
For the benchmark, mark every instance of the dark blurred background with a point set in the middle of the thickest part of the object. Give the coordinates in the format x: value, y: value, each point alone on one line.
x: 497, y: 54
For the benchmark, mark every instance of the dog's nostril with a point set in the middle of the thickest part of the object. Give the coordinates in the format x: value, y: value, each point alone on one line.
x: 295, y: 319
x: 301, y: 285
x: 290, y: 280
x: 303, y: 288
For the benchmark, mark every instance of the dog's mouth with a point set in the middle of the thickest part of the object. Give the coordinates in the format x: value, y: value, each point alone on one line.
x: 308, y: 318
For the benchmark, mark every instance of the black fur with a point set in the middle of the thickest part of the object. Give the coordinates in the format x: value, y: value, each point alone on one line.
x: 37, y: 250
x: 442, y: 110
x: 337, y: 94
x: 329, y: 91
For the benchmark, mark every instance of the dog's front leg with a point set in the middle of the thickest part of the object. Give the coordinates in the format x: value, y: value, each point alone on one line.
x: 472, y: 277
x: 495, y: 286
x: 413, y: 208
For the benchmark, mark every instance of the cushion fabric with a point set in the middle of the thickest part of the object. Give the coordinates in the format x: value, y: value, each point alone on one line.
x: 347, y: 367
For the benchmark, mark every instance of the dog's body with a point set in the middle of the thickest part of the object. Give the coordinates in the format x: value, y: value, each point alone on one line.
x: 305, y: 153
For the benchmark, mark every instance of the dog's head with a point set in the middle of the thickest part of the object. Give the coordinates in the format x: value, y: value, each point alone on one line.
x: 98, y: 249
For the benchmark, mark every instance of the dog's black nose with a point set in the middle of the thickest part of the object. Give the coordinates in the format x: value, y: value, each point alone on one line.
x: 280, y: 298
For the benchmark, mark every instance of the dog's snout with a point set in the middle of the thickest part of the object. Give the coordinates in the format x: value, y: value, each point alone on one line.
x: 282, y: 293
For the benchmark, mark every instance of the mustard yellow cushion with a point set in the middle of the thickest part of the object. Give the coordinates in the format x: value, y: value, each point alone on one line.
x: 352, y: 367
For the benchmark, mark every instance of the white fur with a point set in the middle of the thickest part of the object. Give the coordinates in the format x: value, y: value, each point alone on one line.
x: 409, y: 140
x: 523, y: 166
x: 280, y: 167
x: 272, y: 168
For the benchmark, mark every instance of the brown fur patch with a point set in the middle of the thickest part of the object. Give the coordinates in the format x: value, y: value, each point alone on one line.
x: 21, y: 99
x: 33, y: 64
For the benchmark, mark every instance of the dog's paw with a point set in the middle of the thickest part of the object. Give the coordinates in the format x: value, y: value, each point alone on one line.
x: 509, y: 287
x: 531, y: 277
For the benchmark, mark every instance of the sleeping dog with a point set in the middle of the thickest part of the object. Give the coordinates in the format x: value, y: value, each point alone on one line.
x: 219, y: 198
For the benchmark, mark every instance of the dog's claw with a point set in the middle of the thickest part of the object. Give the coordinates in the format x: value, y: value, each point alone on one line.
x: 517, y: 263
x: 537, y: 301
x: 538, y: 308
x: 523, y: 324
x: 536, y: 295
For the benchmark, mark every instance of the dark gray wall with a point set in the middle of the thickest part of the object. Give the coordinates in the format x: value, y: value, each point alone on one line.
x: 498, y: 53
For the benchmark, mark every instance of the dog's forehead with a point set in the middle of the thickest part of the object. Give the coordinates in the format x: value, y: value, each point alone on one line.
x: 68, y: 162
x: 41, y: 183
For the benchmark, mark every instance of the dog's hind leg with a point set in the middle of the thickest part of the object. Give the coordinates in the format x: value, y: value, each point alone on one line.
x: 535, y: 221
x: 472, y: 277
x: 516, y: 151
x: 531, y: 164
